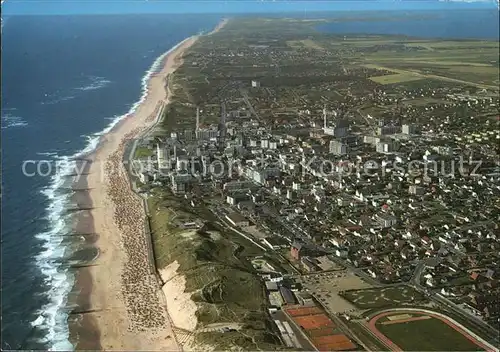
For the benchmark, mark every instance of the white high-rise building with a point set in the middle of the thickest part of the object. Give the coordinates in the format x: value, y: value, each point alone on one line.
x: 207, y: 133
x: 162, y: 156
x: 338, y: 130
x: 385, y: 147
x: 409, y: 129
x: 338, y: 148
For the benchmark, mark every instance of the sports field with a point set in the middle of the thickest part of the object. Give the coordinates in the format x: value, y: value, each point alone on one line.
x: 320, y: 329
x: 423, y: 331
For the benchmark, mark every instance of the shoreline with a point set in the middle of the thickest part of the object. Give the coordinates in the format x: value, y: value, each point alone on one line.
x: 123, y: 303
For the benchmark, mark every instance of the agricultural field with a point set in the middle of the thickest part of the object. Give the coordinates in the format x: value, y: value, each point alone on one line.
x: 306, y: 43
x: 396, y: 78
x: 382, y: 297
x: 473, y: 63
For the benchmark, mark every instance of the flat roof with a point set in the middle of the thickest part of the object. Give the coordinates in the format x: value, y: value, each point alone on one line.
x: 236, y: 217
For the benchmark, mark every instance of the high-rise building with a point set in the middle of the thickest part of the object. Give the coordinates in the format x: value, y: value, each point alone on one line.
x: 409, y: 129
x: 338, y: 148
x: 207, y: 133
x: 339, y: 129
x: 388, y: 129
x: 385, y: 146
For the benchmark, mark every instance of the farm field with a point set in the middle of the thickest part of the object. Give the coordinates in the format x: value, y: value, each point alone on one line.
x: 473, y: 63
x: 396, y: 78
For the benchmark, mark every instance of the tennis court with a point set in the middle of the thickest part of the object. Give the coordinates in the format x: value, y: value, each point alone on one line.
x: 338, y: 342
x: 295, y: 312
x: 316, y: 321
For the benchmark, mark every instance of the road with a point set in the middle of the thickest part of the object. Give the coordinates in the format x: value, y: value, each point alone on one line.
x: 475, y: 322
x: 472, y: 319
x: 222, y: 218
x: 250, y: 106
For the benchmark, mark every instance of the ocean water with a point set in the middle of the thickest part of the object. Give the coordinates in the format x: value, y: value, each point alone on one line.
x: 65, y: 81
x: 453, y: 24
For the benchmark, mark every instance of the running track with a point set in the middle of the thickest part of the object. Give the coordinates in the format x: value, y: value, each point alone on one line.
x: 448, y: 321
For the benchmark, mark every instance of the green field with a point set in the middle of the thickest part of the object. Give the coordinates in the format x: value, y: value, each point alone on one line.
x: 306, y: 43
x: 396, y: 78
x: 382, y: 297
x: 143, y: 152
x: 427, y: 335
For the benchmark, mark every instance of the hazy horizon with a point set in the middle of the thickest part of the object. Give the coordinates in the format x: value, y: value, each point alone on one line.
x: 63, y: 7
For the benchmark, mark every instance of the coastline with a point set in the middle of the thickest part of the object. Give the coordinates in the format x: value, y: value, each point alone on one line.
x: 123, y: 304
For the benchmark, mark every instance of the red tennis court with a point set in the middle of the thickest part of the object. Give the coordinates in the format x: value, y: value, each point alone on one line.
x: 321, y: 332
x: 316, y: 321
x: 338, y: 342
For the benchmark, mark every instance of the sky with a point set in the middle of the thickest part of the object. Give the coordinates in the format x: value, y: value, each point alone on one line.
x: 58, y: 7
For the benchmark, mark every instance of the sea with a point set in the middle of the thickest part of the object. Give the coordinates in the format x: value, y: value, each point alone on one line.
x: 452, y: 24
x: 66, y: 80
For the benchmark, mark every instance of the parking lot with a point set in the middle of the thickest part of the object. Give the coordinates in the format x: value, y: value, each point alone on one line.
x: 326, y: 286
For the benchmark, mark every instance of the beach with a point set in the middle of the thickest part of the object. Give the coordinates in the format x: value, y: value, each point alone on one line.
x: 125, y: 308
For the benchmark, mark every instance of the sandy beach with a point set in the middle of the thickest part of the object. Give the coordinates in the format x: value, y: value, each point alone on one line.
x: 127, y: 309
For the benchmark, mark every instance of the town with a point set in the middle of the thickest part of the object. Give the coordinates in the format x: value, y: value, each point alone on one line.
x: 366, y: 182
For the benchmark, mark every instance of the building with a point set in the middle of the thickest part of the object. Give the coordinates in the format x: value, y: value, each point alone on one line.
x: 371, y: 139
x: 272, y: 276
x: 189, y: 135
x: 145, y: 177
x: 309, y: 265
x: 275, y: 299
x: 234, y: 198
x: 390, y: 129
x: 238, y: 186
x: 386, y: 146
x: 417, y: 190
x: 275, y: 242
x: 444, y: 150
x: 255, y: 84
x: 180, y: 183
x: 271, y: 286
x: 260, y: 175
x: 295, y: 250
x: 338, y: 148
x: 237, y: 220
x: 207, y: 133
x: 409, y: 129
x: 162, y: 158
x: 351, y: 140
x: 305, y: 298
x: 338, y: 130
x: 288, y: 296
x: 182, y: 163
x: 386, y: 220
